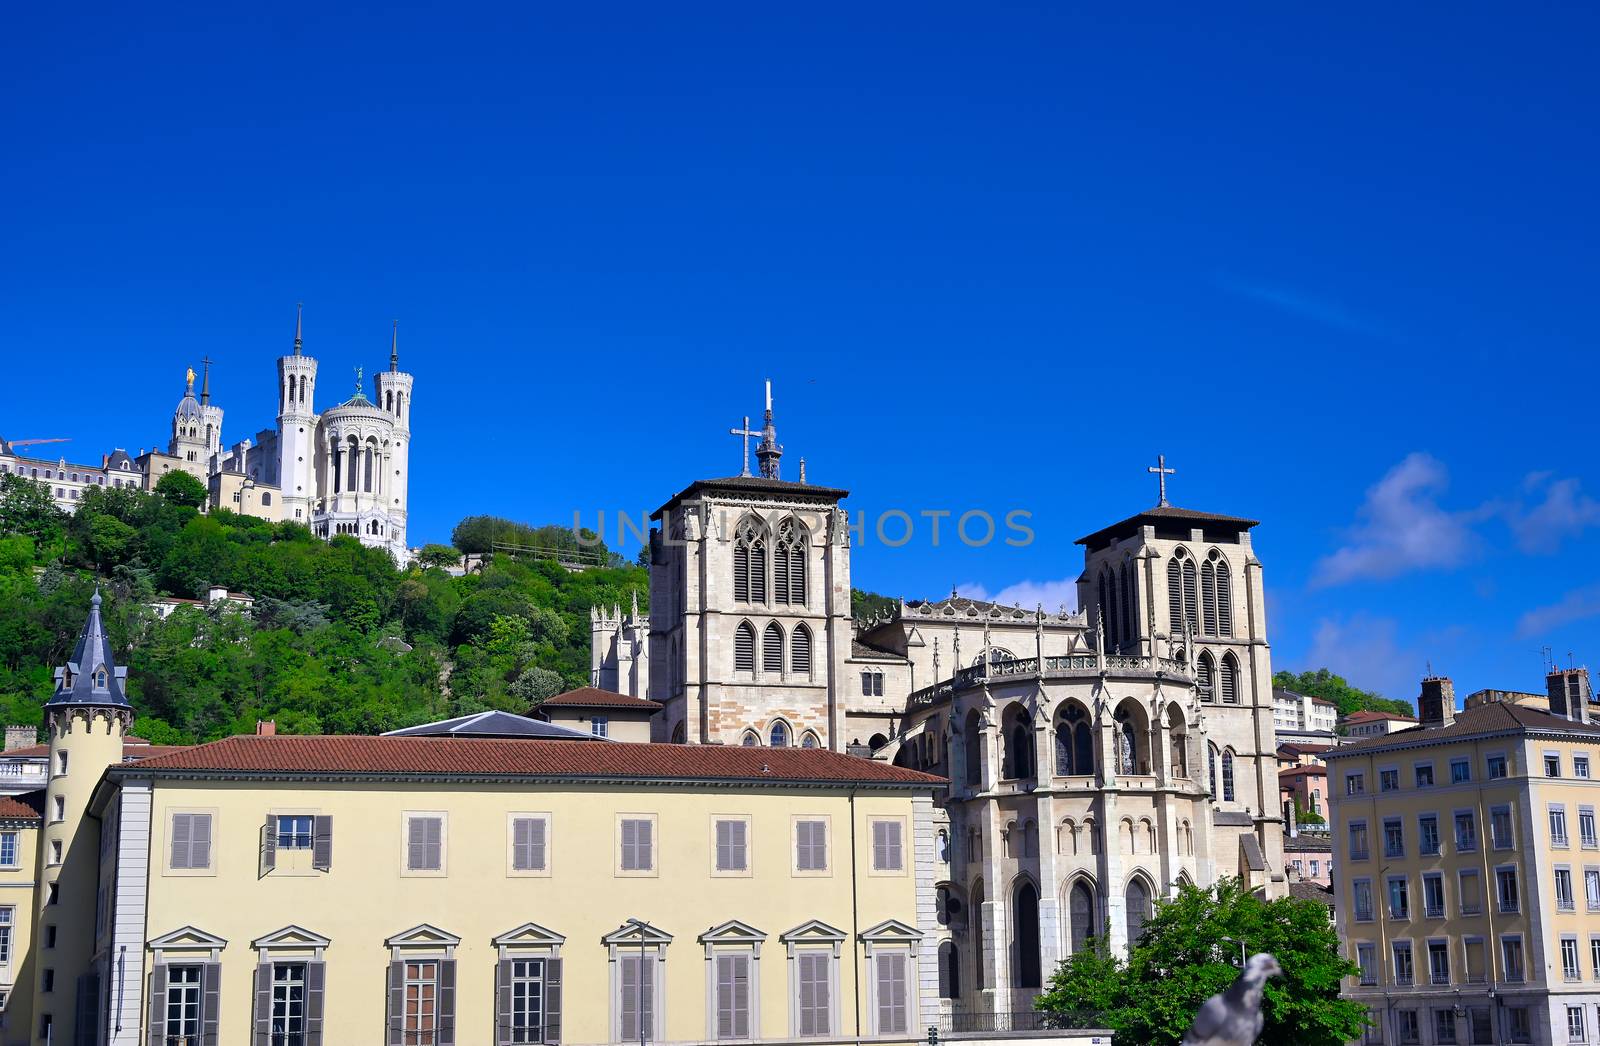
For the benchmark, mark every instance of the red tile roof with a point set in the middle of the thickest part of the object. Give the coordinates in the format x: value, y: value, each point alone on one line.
x: 594, y: 697
x: 1303, y: 771
x: 314, y: 755
x: 29, y: 806
x: 1369, y: 716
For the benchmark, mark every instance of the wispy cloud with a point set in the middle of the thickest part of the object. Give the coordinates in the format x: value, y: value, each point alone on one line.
x: 1028, y: 594
x: 1564, y: 512
x: 1321, y: 310
x: 1577, y: 605
x: 1404, y: 528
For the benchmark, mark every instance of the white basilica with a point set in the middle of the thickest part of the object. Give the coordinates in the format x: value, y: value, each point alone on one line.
x: 1096, y: 758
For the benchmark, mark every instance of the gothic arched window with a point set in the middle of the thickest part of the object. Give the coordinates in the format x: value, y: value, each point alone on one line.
x: 1227, y: 776
x: 1211, y: 768
x: 1224, y: 598
x: 750, y: 562
x: 808, y: 740
x: 750, y: 739
x: 1208, y: 598
x: 1205, y: 676
x: 1138, y: 910
x: 1080, y: 912
x: 800, y: 651
x: 1108, y: 610
x: 772, y: 650
x: 1228, y: 680
x: 1130, y: 602
x: 789, y: 564
x: 949, y: 971
x: 744, y: 648
x: 972, y: 745
x: 780, y: 734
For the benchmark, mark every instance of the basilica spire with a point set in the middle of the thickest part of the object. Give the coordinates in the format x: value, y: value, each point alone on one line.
x: 299, y: 308
x: 205, y: 381
x: 770, y: 450
x: 394, y: 348
x: 92, y: 676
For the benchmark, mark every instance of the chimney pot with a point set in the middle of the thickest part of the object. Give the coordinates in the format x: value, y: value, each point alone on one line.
x: 266, y: 727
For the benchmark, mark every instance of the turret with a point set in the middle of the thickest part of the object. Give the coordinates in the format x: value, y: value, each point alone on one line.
x: 192, y: 427
x: 87, y: 717
x: 297, y: 420
x: 393, y: 390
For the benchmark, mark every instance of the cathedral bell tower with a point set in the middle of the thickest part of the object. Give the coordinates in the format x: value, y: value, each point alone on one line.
x: 297, y: 429
x: 394, y: 398
x: 87, y: 717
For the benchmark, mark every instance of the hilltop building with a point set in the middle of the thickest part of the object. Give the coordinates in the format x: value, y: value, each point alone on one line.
x: 1092, y: 759
x: 344, y: 470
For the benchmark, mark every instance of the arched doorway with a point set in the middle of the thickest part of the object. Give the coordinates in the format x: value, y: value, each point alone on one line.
x: 1026, y: 936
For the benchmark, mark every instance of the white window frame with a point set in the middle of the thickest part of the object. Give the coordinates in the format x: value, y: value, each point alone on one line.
x: 813, y: 938
x: 623, y: 945
x: 749, y: 849
x: 512, y: 870
x: 893, y: 938
x: 733, y: 939
x: 654, y: 870
x: 406, y: 871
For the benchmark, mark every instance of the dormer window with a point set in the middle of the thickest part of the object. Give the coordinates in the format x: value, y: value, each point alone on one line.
x: 100, y: 679
x: 66, y: 679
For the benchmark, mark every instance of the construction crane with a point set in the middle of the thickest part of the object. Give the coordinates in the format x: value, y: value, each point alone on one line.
x: 33, y: 442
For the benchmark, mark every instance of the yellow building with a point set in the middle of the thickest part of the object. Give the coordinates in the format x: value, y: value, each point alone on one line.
x: 1468, y: 882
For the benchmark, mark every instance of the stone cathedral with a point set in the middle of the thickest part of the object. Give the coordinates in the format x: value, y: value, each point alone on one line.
x: 1096, y: 758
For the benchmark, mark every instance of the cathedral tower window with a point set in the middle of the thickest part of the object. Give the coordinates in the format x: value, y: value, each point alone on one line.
x: 1019, y: 746
x: 1224, y: 596
x: 800, y: 651
x: 1074, y: 742
x: 780, y: 734
x: 1211, y: 770
x: 789, y: 564
x: 1227, y: 776
x: 1182, y: 602
x: 972, y: 742
x: 772, y: 650
x: 744, y: 648
x: 1110, y: 639
x: 750, y: 562
x: 1228, y: 680
x: 1205, y: 677
x: 1130, y: 602
x: 751, y: 739
x: 808, y: 740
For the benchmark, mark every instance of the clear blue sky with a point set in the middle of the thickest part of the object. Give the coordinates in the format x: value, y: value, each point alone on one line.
x: 1339, y: 266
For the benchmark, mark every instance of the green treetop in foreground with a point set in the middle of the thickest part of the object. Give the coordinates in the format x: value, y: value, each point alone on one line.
x: 1181, y: 960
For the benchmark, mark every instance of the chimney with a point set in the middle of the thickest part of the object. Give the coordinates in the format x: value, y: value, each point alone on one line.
x: 1569, y: 692
x: 21, y: 737
x: 266, y: 728
x: 1437, y: 704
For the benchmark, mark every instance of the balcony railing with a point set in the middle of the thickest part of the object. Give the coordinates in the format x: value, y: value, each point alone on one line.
x: 1405, y: 980
x: 1434, y: 911
x: 1073, y: 664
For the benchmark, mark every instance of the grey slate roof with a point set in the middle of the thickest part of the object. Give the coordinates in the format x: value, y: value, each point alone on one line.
x: 494, y: 724
x: 1165, y: 514
x: 76, y: 682
x: 1232, y: 819
x: 1496, y: 717
x: 753, y: 485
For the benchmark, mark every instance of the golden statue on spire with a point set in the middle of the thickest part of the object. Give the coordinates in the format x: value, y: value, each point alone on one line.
x: 190, y: 376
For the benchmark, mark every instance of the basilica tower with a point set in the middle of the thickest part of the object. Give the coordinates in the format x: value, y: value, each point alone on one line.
x: 196, y: 428
x: 87, y: 717
x: 394, y: 398
x: 297, y: 426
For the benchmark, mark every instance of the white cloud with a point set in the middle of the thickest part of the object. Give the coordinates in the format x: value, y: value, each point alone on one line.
x: 1565, y: 512
x: 1577, y: 605
x: 1306, y: 306
x: 1404, y: 528
x: 1027, y: 594
x: 1364, y: 650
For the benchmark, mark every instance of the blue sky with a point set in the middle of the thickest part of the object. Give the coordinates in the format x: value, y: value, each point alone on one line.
x: 1337, y: 265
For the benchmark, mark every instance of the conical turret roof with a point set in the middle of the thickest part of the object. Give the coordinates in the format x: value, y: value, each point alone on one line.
x: 92, y: 676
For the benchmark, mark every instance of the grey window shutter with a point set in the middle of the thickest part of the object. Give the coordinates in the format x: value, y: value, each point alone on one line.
x: 200, y: 843
x: 434, y: 828
x: 181, y: 827
x: 263, y: 1016
x: 502, y: 1003
x: 269, y: 845
x: 724, y: 998
x: 158, y: 1005
x: 741, y: 997
x: 536, y: 844
x: 322, y: 842
x: 416, y: 843
x: 211, y: 1007
x: 397, y: 1002
x: 552, y: 1000
x: 316, y: 1001
x: 630, y: 835
x: 630, y: 997
x: 447, y: 1002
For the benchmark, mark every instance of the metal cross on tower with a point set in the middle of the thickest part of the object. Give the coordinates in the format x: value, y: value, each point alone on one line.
x: 746, y: 433
x: 1162, y: 472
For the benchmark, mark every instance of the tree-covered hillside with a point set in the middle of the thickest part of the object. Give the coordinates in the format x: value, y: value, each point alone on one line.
x: 340, y: 640
x: 1330, y: 687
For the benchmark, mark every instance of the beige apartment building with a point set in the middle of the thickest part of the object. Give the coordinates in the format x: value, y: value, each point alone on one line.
x: 1468, y: 882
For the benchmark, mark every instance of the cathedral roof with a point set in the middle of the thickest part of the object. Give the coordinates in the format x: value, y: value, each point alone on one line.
x: 753, y: 485
x: 494, y: 723
x: 964, y: 606
x: 92, y: 676
x: 594, y: 697
x: 1169, y: 518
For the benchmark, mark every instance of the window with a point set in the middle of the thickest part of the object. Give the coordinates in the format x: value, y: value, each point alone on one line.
x: 1404, y: 972
x: 1228, y: 680
x: 1511, y: 959
x: 420, y: 1025
x: 779, y: 735
x: 744, y: 648
x: 1576, y: 1026
x: 530, y: 840
x: 1358, y: 841
x: 1466, y: 832
x: 1399, y: 898
x: 526, y: 996
x: 1394, y: 843
x: 1571, y: 967
x: 1518, y: 1026
x: 810, y: 846
x: 1500, y: 835
x: 1586, y: 834
x: 48, y: 981
x: 55, y: 851
x: 50, y: 936
x: 891, y: 983
x: 1580, y: 766
x: 1444, y: 1026
x: 8, y: 849
x: 1428, y: 834
x: 1563, y: 879
x: 8, y: 916
x: 1506, y: 887
x: 1439, y: 962
x: 1594, y: 956
x: 1407, y: 1025
x: 294, y: 831
x: 887, y: 855
x: 1497, y: 767
x: 800, y: 651
x: 814, y: 1005
x: 599, y: 726
x: 1355, y: 784
x: 1477, y: 960
x: 789, y: 564
x: 636, y: 991
x: 772, y: 650
x: 871, y: 683
x: 1552, y: 765
x: 424, y: 843
x: 288, y: 1004
x: 1388, y: 780
x: 1362, y: 889
x: 1591, y: 888
x: 1460, y: 771
x: 1424, y: 772
x: 1367, y: 959
x: 733, y: 996
x: 1558, y: 826
x: 1227, y: 776
x: 636, y: 844
x: 61, y: 764
x: 182, y: 1020
x: 732, y: 845
x: 1471, y: 896
x: 1433, y: 895
x: 190, y: 840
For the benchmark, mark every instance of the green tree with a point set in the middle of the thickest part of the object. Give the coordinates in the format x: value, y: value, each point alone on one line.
x: 180, y: 488
x: 111, y: 539
x: 26, y: 508
x: 1330, y: 687
x: 438, y: 556
x: 866, y: 605
x: 1181, y: 959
